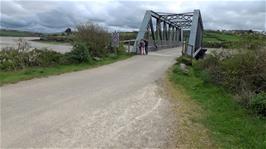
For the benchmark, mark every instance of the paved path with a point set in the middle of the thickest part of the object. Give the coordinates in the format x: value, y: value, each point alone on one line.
x: 119, y: 105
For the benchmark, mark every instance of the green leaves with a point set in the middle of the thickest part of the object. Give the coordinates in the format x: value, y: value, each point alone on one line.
x: 80, y: 54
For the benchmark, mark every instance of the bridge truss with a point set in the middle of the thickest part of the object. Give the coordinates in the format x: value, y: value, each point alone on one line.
x: 165, y: 30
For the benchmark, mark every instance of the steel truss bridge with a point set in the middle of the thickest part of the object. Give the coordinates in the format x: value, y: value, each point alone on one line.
x: 166, y: 30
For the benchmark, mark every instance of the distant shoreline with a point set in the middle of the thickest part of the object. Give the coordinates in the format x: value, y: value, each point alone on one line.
x: 16, y: 33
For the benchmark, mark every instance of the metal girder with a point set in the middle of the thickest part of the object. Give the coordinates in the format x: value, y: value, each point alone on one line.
x: 196, y: 34
x: 142, y: 29
x: 169, y: 29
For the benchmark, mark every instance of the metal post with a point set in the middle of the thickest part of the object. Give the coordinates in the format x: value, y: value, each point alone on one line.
x: 182, y: 35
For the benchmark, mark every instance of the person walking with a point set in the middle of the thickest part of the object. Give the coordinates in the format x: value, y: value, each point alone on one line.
x: 146, y: 46
x: 142, y: 47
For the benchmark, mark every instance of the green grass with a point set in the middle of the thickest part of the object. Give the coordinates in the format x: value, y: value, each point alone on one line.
x: 231, y: 126
x: 16, y: 33
x: 218, y: 36
x: 37, y: 72
x: 211, y: 39
x: 127, y: 35
x: 214, y: 39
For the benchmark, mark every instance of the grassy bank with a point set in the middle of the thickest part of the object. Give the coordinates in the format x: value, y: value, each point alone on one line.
x: 16, y: 33
x: 230, y: 125
x: 37, y: 72
x: 215, y: 39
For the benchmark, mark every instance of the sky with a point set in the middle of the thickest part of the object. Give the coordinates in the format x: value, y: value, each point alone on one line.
x: 55, y: 16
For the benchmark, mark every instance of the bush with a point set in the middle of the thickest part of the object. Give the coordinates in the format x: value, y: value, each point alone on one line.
x: 13, y: 59
x: 80, y: 53
x: 184, y: 59
x: 258, y: 103
x: 45, y: 58
x: 121, y: 49
x: 95, y: 37
x: 245, y: 69
x: 243, y: 73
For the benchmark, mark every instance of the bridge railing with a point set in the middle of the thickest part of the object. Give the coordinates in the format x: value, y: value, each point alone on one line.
x: 152, y: 45
x: 162, y: 44
x: 128, y: 44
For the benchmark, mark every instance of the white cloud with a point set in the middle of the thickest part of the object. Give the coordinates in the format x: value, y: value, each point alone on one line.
x: 51, y: 16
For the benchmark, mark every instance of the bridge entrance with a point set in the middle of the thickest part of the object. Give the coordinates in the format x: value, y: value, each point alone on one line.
x: 166, y: 30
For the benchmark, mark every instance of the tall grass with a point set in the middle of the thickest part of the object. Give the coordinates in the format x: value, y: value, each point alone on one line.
x: 231, y: 125
x: 242, y: 73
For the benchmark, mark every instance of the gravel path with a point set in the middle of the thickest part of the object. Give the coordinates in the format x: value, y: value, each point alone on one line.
x: 119, y: 105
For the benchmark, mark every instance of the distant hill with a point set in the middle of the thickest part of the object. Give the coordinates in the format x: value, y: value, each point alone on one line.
x: 16, y: 33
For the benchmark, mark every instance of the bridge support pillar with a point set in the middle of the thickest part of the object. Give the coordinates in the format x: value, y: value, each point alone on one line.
x: 196, y: 32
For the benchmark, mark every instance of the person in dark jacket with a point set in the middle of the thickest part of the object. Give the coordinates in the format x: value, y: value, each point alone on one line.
x: 146, y: 46
x: 140, y: 44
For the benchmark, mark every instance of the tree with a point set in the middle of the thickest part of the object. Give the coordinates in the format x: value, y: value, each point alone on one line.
x: 250, y: 31
x: 68, y: 31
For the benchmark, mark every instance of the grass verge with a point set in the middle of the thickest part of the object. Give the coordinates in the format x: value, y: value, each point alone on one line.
x: 190, y: 132
x: 230, y: 125
x: 17, y: 33
x: 37, y: 72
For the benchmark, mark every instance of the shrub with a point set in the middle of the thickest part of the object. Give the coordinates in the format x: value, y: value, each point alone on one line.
x: 121, y: 49
x: 243, y: 73
x: 14, y: 59
x: 245, y: 69
x: 258, y: 103
x: 45, y: 58
x: 95, y: 37
x: 184, y: 59
x: 80, y: 53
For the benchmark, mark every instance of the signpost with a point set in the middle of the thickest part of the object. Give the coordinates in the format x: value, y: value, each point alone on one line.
x: 115, y: 39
